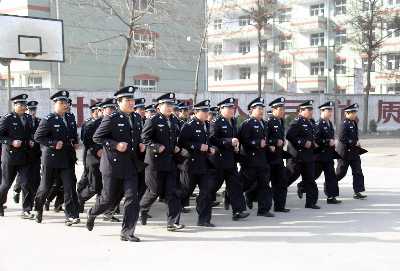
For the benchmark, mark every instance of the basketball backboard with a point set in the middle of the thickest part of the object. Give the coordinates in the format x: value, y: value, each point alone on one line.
x: 31, y: 38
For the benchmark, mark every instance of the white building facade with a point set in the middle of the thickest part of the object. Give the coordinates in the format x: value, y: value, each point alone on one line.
x: 306, y: 49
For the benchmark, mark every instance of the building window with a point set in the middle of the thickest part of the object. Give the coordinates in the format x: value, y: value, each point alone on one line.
x: 244, y: 73
x: 244, y: 47
x: 317, y: 39
x: 393, y: 3
x: 264, y: 72
x: 217, y: 24
x: 340, y: 37
x: 145, y: 5
x: 393, y: 61
x: 340, y: 7
x: 365, y: 65
x: 317, y: 68
x: 35, y: 82
x: 285, y: 71
x: 393, y: 88
x: 244, y: 20
x: 217, y: 74
x: 285, y: 15
x: 392, y: 31
x: 217, y: 49
x: 317, y: 10
x: 144, y: 44
x: 285, y: 43
x: 340, y: 66
x: 146, y: 85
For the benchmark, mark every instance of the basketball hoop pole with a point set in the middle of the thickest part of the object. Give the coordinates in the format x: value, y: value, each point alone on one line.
x: 7, y: 62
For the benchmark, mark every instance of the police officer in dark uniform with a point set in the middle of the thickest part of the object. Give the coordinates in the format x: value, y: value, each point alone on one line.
x: 34, y: 157
x: 194, y: 138
x: 116, y: 134
x: 325, y: 152
x: 224, y: 136
x: 160, y: 137
x: 349, y: 148
x: 150, y: 110
x: 141, y: 117
x: 95, y: 113
x: 16, y: 136
x: 275, y: 152
x: 57, y: 135
x: 255, y: 171
x: 94, y: 184
x: 301, y: 144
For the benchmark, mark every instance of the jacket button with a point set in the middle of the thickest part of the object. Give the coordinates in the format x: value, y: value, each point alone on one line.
x: 52, y: 154
x: 156, y: 155
x: 115, y: 160
x: 11, y: 151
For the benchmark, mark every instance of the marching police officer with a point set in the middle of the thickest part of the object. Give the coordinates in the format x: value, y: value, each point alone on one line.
x: 150, y: 110
x: 224, y: 136
x: 57, y: 134
x: 160, y: 137
x: 300, y: 136
x: 325, y: 153
x: 16, y: 137
x: 275, y: 152
x: 140, y: 112
x: 95, y: 113
x: 255, y: 171
x: 94, y: 184
x: 349, y: 149
x: 116, y: 134
x: 194, y: 138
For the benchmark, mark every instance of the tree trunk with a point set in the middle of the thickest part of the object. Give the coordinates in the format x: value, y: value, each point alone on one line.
x: 366, y: 95
x: 259, y: 74
x: 122, y: 72
x: 196, y: 80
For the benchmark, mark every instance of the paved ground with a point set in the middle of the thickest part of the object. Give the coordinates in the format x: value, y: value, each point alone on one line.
x: 357, y: 235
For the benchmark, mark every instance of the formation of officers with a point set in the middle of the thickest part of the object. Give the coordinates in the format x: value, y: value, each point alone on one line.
x: 165, y: 150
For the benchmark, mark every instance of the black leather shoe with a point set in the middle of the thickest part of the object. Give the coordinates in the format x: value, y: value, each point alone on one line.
x: 333, y: 201
x: 1, y: 210
x: 90, y: 221
x: 143, y: 217
x: 205, y: 224
x: 111, y: 218
x: 47, y: 206
x: 175, y: 227
x: 359, y: 196
x: 39, y: 216
x: 299, y: 191
x: 315, y: 207
x: 16, y: 197
x: 282, y: 210
x: 130, y: 238
x: 249, y: 203
x: 239, y: 215
x: 266, y: 214
x: 215, y: 204
x: 27, y: 215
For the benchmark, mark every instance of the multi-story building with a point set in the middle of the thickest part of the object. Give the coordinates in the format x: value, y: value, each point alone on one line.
x: 306, y: 48
x: 163, y: 58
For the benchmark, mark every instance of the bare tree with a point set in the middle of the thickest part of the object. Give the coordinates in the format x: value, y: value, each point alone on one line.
x: 261, y: 15
x: 370, y: 22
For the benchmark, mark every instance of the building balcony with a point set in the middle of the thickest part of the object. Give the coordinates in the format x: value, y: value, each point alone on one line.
x: 310, y: 84
x: 239, y: 33
x: 310, y: 24
x: 235, y: 59
x: 238, y: 85
x: 310, y: 53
